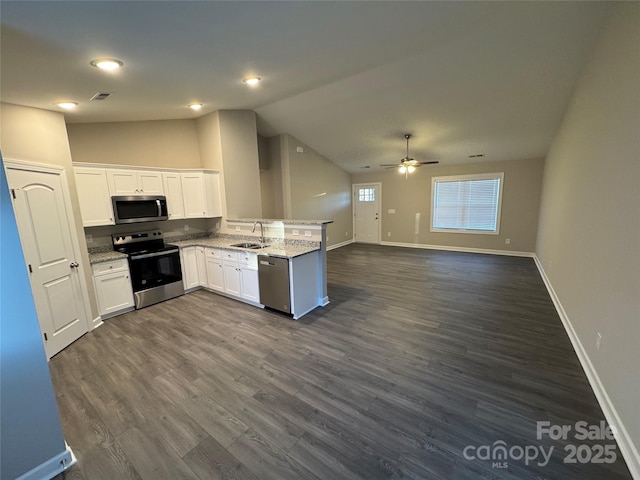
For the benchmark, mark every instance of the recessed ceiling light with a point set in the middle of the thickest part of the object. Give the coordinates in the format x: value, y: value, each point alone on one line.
x: 195, y: 106
x: 67, y: 105
x: 252, y: 80
x: 107, y: 63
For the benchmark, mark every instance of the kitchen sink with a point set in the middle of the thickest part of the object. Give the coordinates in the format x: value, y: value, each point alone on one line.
x: 252, y: 246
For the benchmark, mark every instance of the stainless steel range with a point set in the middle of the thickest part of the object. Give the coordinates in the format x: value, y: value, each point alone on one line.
x: 155, y: 266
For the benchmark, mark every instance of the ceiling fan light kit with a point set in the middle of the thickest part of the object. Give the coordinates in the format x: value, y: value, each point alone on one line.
x: 407, y: 165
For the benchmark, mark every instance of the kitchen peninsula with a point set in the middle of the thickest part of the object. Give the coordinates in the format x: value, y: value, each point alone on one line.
x: 223, y: 264
x: 233, y: 270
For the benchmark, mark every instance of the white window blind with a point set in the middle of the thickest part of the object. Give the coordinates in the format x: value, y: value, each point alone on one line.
x: 469, y: 203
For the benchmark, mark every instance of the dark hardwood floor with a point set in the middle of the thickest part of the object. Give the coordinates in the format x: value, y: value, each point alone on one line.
x: 419, y: 355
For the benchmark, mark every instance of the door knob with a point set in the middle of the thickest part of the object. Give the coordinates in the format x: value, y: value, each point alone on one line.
x: 74, y: 265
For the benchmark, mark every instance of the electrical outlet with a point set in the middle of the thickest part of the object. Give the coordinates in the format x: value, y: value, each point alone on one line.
x: 307, y: 233
x: 295, y: 233
x: 598, y: 340
x: 346, y: 234
x: 388, y: 234
x: 89, y: 238
x: 237, y: 229
x: 507, y: 241
x: 186, y: 227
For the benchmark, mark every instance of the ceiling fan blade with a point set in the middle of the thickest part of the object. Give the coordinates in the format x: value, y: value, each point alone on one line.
x: 433, y: 162
x: 390, y: 164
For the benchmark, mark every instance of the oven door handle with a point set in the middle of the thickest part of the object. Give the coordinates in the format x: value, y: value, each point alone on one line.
x: 155, y: 254
x: 159, y: 207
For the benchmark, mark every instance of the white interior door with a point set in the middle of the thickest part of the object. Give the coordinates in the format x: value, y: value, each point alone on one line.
x: 366, y: 211
x: 45, y: 224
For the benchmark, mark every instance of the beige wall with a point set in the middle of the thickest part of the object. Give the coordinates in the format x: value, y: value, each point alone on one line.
x: 319, y: 189
x: 208, y: 128
x: 239, y: 142
x: 589, y: 231
x: 40, y: 136
x: 412, y: 195
x: 160, y: 143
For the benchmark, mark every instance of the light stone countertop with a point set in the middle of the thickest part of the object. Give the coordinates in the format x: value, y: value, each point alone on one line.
x: 275, y: 249
x: 107, y: 256
x: 279, y: 220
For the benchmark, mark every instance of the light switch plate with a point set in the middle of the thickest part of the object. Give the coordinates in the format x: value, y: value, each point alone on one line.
x: 392, y: 210
x: 295, y: 233
x: 307, y: 233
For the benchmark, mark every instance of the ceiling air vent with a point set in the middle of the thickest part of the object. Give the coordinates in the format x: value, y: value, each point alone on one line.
x: 477, y: 155
x: 101, y: 96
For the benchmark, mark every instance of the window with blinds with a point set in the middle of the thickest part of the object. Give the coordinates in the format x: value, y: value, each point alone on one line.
x: 467, y: 203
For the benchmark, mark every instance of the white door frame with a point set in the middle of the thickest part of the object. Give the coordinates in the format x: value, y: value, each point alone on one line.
x: 354, y: 187
x: 14, y: 164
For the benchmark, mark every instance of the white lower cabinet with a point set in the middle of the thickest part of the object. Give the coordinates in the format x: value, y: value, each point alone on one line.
x: 202, y: 266
x: 232, y: 272
x: 248, y: 264
x: 215, y: 274
x: 113, y: 287
x: 189, y: 264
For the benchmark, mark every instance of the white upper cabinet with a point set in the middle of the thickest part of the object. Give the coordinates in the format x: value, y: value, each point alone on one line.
x: 195, y: 203
x: 135, y: 182
x: 190, y: 193
x: 212, y: 191
x: 173, y: 191
x: 201, y: 194
x: 93, y: 195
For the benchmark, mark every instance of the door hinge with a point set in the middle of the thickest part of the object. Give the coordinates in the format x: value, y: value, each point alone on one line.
x: 13, y: 193
x: 30, y: 269
x: 46, y: 339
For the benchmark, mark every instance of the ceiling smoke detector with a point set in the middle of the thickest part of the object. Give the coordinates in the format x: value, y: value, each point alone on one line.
x: 100, y: 96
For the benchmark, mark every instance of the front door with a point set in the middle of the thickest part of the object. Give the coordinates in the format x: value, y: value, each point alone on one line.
x: 45, y: 224
x: 366, y: 211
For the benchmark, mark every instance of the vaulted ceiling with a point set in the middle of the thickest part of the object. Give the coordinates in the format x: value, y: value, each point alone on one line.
x: 346, y: 78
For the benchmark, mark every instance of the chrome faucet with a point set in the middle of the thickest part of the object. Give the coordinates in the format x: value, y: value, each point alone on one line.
x: 262, y: 239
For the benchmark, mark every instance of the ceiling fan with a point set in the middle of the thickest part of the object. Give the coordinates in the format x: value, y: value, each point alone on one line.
x: 407, y: 164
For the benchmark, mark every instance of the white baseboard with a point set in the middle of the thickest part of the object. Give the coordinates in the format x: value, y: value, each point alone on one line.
x: 52, y: 467
x: 459, y: 249
x: 341, y: 244
x: 627, y: 447
x: 96, y: 322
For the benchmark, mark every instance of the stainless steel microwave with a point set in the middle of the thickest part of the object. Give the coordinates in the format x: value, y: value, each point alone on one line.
x: 138, y: 208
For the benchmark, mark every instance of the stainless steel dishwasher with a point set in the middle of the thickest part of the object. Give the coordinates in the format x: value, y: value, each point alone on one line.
x: 273, y: 274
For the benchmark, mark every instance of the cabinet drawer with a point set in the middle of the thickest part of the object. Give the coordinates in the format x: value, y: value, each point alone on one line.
x: 230, y: 256
x: 213, y: 253
x: 249, y: 260
x: 110, y: 267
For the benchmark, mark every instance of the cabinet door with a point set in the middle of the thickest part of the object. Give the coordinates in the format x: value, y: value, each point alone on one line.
x: 122, y: 182
x: 250, y: 287
x: 194, y: 195
x: 114, y: 292
x: 93, y: 196
x: 134, y: 182
x: 173, y: 191
x: 212, y: 192
x: 215, y: 275
x: 202, y: 266
x: 150, y: 183
x: 232, y: 279
x: 189, y: 262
